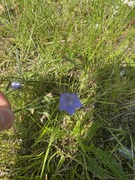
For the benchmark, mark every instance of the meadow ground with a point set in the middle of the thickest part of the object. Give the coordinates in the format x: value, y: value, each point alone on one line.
x: 85, y: 47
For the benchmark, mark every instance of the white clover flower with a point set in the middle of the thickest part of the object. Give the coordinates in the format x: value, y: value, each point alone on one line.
x: 116, y: 10
x: 125, y: 1
x: 130, y: 3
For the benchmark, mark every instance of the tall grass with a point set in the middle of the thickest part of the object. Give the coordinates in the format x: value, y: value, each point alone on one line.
x: 84, y: 47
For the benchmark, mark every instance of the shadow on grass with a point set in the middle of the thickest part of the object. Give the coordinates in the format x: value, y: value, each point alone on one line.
x: 52, y: 146
x: 110, y: 139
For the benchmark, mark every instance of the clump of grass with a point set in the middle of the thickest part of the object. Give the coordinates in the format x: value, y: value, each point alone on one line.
x: 64, y: 46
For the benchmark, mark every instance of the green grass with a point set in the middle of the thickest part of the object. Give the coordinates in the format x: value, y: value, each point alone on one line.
x: 53, y: 47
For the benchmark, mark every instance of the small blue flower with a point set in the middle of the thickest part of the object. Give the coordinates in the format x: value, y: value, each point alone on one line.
x: 69, y: 102
x: 16, y: 85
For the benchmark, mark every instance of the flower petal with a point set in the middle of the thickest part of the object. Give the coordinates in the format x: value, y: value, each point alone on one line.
x: 70, y: 110
x: 77, y: 104
x: 62, y: 107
